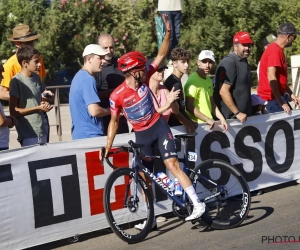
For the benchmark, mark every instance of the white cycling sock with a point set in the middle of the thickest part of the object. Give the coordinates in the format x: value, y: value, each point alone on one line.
x: 191, y: 192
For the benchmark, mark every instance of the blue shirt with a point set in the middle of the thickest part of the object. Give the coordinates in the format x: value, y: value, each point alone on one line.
x: 83, y: 92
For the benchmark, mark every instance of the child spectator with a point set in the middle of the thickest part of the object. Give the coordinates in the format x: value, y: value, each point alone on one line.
x: 26, y: 99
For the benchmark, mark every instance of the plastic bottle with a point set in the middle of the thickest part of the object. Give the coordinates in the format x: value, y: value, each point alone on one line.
x: 165, y: 180
x: 177, y: 187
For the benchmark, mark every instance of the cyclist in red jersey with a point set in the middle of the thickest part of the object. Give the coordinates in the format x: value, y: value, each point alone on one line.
x: 133, y: 98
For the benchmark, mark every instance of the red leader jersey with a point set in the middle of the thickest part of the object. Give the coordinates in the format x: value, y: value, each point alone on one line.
x: 137, y: 105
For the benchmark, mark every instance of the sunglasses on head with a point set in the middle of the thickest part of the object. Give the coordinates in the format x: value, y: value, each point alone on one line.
x: 160, y: 70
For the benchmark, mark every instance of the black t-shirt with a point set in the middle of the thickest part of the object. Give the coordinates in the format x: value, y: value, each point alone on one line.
x: 110, y: 78
x: 234, y: 71
x: 174, y: 81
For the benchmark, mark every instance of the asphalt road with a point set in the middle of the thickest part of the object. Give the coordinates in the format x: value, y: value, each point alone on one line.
x: 273, y: 217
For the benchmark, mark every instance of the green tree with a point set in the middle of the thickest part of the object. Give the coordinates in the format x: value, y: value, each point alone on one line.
x: 14, y: 12
x: 211, y: 24
x: 289, y: 11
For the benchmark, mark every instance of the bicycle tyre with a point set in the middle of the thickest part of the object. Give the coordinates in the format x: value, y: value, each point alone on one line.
x: 119, y: 229
x: 232, y: 204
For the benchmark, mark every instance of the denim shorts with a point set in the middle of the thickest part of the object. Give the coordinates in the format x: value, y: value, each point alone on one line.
x: 274, y: 107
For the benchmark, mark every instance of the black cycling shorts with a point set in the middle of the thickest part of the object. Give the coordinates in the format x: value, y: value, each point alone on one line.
x: 158, y: 134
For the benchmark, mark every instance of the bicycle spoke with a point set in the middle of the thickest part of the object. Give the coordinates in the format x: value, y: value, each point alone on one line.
x: 122, y: 219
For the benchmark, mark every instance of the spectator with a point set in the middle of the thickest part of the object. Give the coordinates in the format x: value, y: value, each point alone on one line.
x: 26, y: 99
x: 86, y: 112
x: 108, y: 79
x: 198, y: 92
x: 258, y: 105
x: 273, y: 75
x: 163, y: 100
x: 232, y: 89
x: 180, y: 58
x: 173, y: 9
x: 22, y: 36
x: 6, y: 122
x: 265, y: 43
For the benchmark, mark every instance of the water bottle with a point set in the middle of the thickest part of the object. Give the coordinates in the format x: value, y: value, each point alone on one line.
x: 165, y: 179
x: 177, y: 187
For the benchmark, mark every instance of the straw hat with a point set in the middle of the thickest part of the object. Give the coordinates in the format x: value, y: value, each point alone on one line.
x: 22, y: 33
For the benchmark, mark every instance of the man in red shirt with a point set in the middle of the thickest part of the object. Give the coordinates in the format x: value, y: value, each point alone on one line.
x: 133, y: 98
x: 273, y: 75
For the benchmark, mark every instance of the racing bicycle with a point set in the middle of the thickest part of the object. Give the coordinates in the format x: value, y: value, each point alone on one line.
x: 217, y: 183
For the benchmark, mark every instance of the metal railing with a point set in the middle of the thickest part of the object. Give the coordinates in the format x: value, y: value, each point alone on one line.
x: 57, y: 108
x: 295, y: 87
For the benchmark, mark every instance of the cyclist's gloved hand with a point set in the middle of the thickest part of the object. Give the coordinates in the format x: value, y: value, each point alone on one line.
x: 102, y: 154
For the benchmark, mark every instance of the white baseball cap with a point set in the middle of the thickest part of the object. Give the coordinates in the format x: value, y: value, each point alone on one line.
x: 94, y: 49
x: 207, y: 54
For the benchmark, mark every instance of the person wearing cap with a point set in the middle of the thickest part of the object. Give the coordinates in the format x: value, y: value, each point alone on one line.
x: 198, y: 92
x: 180, y: 58
x: 133, y: 99
x: 84, y: 102
x: 108, y: 79
x: 265, y: 43
x: 273, y: 75
x: 258, y: 105
x: 233, y: 81
x: 163, y: 99
x: 22, y: 36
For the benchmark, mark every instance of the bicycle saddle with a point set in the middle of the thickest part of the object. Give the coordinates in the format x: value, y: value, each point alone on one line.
x: 135, y: 145
x: 186, y: 136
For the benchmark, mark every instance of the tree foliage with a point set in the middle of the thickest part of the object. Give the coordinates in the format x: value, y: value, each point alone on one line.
x: 67, y: 26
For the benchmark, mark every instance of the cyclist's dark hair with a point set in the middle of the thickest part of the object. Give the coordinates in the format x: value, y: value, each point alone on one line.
x: 26, y: 53
x: 180, y: 54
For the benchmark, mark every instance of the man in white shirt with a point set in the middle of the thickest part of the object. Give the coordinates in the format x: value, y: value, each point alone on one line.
x: 173, y: 9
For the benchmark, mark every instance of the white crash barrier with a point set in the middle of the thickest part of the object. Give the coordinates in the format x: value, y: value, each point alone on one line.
x: 55, y: 191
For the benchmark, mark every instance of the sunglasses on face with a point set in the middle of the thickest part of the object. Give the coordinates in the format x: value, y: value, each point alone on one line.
x: 207, y: 61
x: 249, y: 45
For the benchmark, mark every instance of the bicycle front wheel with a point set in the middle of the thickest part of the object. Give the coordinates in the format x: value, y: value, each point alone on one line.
x: 123, y: 208
x: 228, y: 202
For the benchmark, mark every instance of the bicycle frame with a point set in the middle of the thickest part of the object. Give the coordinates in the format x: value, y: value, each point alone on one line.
x: 138, y: 167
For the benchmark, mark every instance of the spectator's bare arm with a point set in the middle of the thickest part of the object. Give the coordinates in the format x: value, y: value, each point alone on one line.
x: 97, y: 111
x: 193, y: 110
x: 228, y: 100
x: 275, y: 90
x: 16, y: 111
x: 4, y: 93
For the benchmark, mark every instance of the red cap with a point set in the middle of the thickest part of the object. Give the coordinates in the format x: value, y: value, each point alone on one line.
x: 242, y: 37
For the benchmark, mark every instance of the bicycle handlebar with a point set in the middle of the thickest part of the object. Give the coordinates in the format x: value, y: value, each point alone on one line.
x: 128, y: 149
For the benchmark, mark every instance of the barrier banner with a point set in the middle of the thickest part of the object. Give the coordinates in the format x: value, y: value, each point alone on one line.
x: 55, y: 191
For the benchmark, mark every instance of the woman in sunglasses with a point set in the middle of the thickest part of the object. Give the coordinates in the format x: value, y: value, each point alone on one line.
x: 163, y: 99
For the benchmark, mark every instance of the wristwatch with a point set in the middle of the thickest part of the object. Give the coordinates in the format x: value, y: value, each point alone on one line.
x: 234, y: 116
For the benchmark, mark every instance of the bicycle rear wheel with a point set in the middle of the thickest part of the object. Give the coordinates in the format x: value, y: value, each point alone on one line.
x: 123, y: 210
x: 231, y: 206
